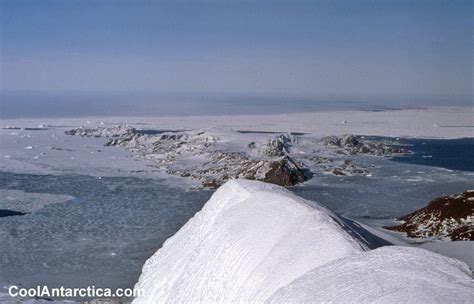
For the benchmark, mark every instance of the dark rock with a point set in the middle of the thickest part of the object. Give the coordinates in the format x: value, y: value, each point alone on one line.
x: 352, y: 145
x: 171, y: 137
x: 350, y: 141
x: 347, y: 168
x: 320, y: 160
x: 61, y: 149
x: 77, y: 132
x: 331, y: 141
x: 112, y: 143
x: 211, y: 183
x: 251, y: 145
x: 285, y: 172
x: 444, y: 217
x: 337, y: 171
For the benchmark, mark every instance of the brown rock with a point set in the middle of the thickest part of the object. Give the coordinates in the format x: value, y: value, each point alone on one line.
x: 285, y: 172
x: 448, y: 216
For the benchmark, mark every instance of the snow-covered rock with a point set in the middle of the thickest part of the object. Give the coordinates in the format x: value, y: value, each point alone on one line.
x: 203, y: 155
x: 347, y: 167
x: 445, y: 218
x: 278, y: 146
x: 120, y: 130
x: 254, y: 242
x: 216, y: 156
x: 352, y: 144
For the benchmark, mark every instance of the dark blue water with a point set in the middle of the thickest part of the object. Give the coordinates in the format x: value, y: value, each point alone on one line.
x: 102, y: 237
x: 453, y: 154
x: 397, y: 188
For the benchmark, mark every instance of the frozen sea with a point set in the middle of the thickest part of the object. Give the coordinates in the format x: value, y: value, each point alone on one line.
x: 101, y: 236
x: 89, y: 221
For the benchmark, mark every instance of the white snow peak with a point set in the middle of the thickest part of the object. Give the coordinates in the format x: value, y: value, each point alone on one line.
x: 256, y: 242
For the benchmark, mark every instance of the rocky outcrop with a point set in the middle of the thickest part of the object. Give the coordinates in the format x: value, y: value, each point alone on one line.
x: 210, y: 157
x: 112, y: 132
x: 445, y: 218
x: 340, y: 167
x: 352, y: 145
x: 278, y: 146
x: 222, y: 167
x: 195, y: 154
x: 285, y: 172
x: 347, y: 167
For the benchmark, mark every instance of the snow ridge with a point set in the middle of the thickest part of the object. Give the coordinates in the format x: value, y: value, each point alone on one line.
x: 255, y: 242
x: 250, y: 239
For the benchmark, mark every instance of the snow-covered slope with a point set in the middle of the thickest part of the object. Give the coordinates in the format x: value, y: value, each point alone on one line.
x: 390, y: 274
x: 256, y: 242
x: 250, y: 239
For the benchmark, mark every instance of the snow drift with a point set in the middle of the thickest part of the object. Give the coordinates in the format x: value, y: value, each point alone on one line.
x: 256, y: 242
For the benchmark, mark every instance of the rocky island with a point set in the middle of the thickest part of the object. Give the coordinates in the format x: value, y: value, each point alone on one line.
x: 445, y: 218
x: 216, y: 156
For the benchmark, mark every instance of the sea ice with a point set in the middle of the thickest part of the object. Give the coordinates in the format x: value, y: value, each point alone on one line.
x: 29, y: 202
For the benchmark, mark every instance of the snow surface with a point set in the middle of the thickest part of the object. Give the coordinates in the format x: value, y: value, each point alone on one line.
x: 388, y: 274
x: 255, y: 242
x: 461, y: 250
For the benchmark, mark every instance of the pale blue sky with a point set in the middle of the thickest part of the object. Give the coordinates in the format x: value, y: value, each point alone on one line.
x: 349, y: 49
